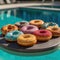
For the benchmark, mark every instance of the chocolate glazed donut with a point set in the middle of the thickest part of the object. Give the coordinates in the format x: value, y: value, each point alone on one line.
x: 21, y: 24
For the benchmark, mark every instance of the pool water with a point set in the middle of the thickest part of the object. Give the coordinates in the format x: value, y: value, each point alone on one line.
x: 12, y: 16
x: 47, y: 6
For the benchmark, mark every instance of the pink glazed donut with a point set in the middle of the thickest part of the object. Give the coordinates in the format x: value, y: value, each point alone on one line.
x: 43, y: 35
x: 29, y: 29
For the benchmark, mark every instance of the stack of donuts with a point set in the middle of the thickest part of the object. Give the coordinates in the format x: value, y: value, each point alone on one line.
x: 29, y: 33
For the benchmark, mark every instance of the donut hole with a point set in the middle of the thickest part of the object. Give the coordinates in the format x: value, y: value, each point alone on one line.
x: 17, y: 23
x: 27, y: 36
x: 36, y: 21
x: 30, y: 27
x: 55, y: 28
x: 10, y: 27
x: 51, y: 24
x: 22, y: 23
x: 15, y: 33
x: 42, y: 31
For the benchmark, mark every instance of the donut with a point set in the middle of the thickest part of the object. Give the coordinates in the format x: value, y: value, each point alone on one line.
x: 45, y: 25
x: 26, y: 40
x: 21, y: 24
x: 55, y: 31
x: 43, y: 35
x: 8, y: 28
x: 29, y: 29
x: 13, y: 35
x: 37, y: 23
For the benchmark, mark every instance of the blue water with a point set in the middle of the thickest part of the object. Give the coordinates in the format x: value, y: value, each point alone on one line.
x: 14, y: 15
x: 48, y: 6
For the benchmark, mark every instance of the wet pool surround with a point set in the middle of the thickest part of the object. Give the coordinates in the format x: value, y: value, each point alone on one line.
x: 26, y: 5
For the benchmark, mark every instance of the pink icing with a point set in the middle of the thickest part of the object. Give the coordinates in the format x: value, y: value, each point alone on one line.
x: 29, y: 29
x: 42, y: 32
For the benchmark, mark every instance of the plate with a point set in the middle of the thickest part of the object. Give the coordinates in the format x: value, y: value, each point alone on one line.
x: 39, y: 47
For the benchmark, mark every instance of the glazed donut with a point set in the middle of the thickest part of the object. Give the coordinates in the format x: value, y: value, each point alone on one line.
x: 55, y: 31
x: 43, y: 35
x: 45, y: 25
x: 8, y: 28
x: 13, y: 35
x: 37, y: 23
x: 26, y: 40
x: 21, y: 24
x: 29, y: 29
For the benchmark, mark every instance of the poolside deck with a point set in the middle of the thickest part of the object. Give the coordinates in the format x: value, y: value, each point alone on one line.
x: 24, y: 5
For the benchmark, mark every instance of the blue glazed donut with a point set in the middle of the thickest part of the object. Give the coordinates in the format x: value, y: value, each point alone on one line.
x: 21, y: 24
x: 13, y: 35
x: 45, y: 25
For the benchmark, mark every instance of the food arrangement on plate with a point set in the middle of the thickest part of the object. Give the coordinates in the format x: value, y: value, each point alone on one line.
x: 29, y: 33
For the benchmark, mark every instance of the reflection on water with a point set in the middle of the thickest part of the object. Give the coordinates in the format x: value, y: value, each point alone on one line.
x: 8, y: 13
x: 2, y: 15
x: 8, y: 17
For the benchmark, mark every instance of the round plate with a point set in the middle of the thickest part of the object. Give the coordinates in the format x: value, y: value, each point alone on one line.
x: 39, y: 47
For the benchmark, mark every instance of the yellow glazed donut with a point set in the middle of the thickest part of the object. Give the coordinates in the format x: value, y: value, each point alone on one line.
x: 8, y: 28
x: 37, y: 23
x: 55, y: 31
x: 26, y: 40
